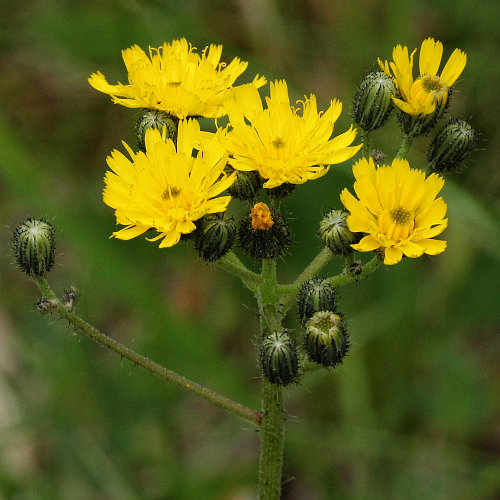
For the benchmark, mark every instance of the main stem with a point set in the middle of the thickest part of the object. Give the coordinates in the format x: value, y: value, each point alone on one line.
x: 272, y: 440
x: 272, y: 430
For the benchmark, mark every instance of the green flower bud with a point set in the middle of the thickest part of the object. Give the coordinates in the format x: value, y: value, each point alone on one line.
x: 214, y: 237
x: 326, y: 340
x: 34, y: 245
x: 373, y: 101
x: 279, y: 359
x: 281, y: 191
x: 246, y: 185
x: 265, y: 235
x: 451, y: 146
x: 315, y: 295
x: 334, y: 232
x: 152, y: 118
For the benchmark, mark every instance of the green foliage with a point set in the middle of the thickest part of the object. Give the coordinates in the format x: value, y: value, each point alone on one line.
x: 411, y: 411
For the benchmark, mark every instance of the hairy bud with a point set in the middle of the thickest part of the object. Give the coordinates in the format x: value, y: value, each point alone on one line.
x: 326, y: 340
x: 265, y: 234
x: 315, y: 295
x: 278, y: 358
x: 334, y: 232
x: 152, y: 118
x: 214, y: 237
x: 451, y: 146
x: 34, y: 246
x: 373, y: 101
x: 246, y: 185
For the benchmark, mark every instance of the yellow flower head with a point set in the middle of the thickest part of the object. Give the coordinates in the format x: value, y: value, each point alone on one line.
x: 166, y: 188
x: 430, y: 90
x: 175, y: 79
x: 281, y: 144
x: 397, y: 208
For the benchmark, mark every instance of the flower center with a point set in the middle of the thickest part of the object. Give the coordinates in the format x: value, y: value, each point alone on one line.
x: 401, y: 216
x: 433, y: 84
x: 170, y: 192
x: 278, y: 143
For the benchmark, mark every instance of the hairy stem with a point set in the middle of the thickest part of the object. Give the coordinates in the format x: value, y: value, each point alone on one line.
x: 290, y: 292
x: 272, y: 430
x: 405, y: 146
x: 125, y: 352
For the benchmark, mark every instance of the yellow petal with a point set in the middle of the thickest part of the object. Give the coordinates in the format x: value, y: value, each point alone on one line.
x: 454, y: 67
x: 430, y: 57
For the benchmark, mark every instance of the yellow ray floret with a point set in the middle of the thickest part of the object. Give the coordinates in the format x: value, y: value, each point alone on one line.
x: 397, y: 208
x: 430, y: 89
x: 166, y: 188
x: 283, y: 145
x: 175, y: 79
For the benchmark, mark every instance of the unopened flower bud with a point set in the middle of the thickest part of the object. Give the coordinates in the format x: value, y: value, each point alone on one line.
x: 214, y: 237
x: 246, y: 185
x: 451, y: 146
x: 278, y: 358
x: 373, y: 101
x: 334, y: 232
x: 265, y: 234
x: 155, y: 119
x: 326, y: 340
x: 281, y: 191
x: 315, y: 295
x: 34, y: 246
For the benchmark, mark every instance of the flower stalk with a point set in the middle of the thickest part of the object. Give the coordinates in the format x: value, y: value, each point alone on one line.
x: 88, y: 330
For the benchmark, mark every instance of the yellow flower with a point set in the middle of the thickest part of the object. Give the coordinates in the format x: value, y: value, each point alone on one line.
x: 397, y: 208
x: 430, y: 90
x: 281, y: 144
x: 175, y: 79
x: 166, y: 188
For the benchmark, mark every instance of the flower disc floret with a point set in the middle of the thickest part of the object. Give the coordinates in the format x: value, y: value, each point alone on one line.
x: 281, y: 143
x: 175, y: 79
x: 430, y: 90
x: 166, y: 188
x: 397, y: 209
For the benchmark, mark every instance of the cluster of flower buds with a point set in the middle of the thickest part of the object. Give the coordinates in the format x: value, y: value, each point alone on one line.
x: 326, y: 341
x: 421, y: 102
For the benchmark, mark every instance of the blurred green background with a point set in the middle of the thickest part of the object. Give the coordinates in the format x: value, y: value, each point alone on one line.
x: 413, y: 413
